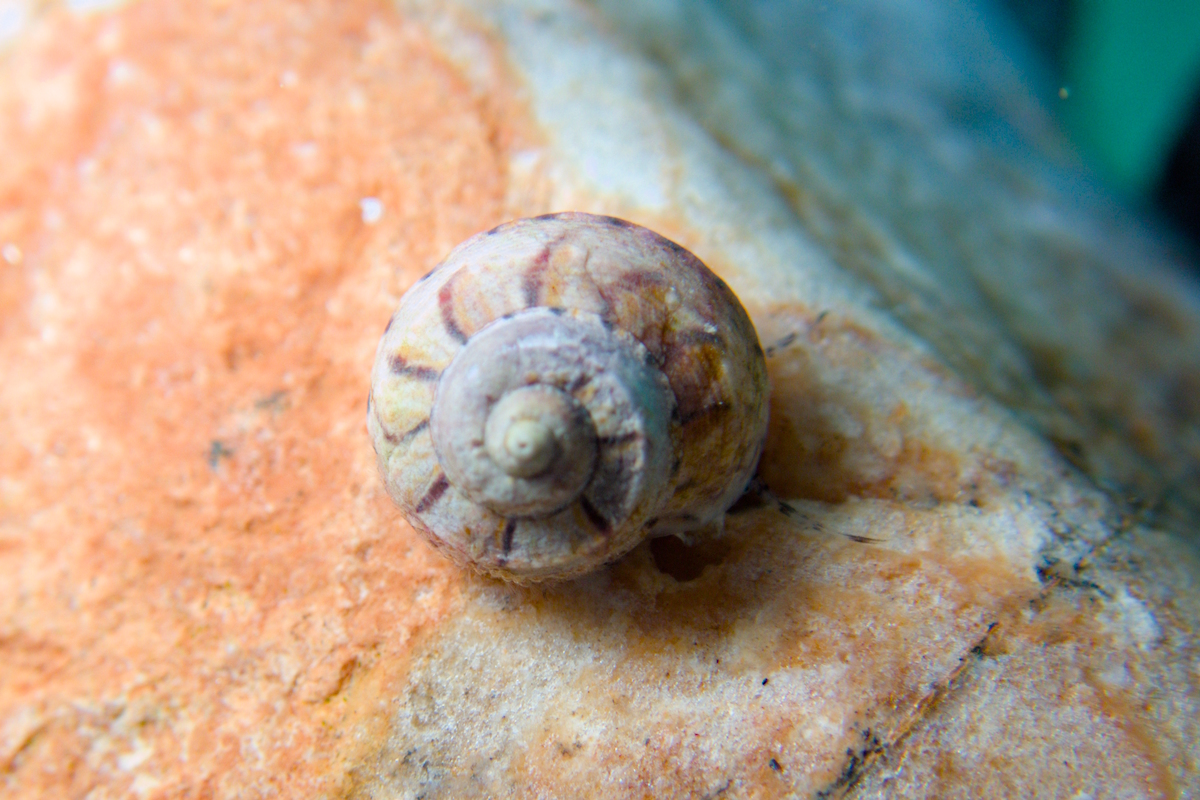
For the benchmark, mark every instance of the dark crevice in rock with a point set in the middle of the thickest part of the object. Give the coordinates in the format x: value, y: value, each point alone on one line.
x: 874, y: 749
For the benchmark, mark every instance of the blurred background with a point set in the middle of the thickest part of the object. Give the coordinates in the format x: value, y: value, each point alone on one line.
x: 1127, y: 78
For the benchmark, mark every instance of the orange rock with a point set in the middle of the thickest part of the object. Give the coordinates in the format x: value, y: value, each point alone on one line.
x: 200, y: 554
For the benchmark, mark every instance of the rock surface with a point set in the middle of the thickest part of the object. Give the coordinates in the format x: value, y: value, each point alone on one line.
x: 207, y: 213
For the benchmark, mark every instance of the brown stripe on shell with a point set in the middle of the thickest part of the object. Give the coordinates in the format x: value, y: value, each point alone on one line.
x: 387, y: 434
x: 506, y: 538
x: 414, y: 430
x: 710, y: 410
x: 594, y: 516
x: 446, y: 306
x: 434, y: 494
x: 396, y: 439
x: 415, y: 371
x: 617, y: 441
x: 532, y: 278
x: 426, y: 276
x: 578, y: 383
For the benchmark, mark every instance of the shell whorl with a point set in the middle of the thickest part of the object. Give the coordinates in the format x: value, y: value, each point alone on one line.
x: 560, y: 385
x: 605, y: 410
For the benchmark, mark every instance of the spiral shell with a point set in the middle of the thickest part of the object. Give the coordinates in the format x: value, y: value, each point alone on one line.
x: 561, y: 387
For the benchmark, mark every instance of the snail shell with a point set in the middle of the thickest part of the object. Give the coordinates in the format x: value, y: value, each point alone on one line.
x: 561, y: 387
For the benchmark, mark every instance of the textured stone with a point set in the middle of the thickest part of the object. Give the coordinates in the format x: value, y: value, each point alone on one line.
x: 983, y: 425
